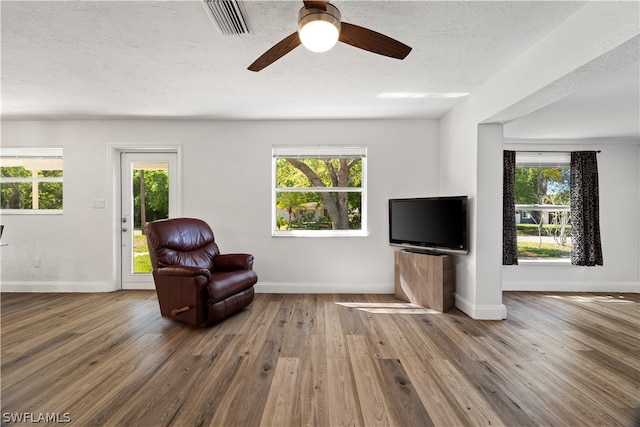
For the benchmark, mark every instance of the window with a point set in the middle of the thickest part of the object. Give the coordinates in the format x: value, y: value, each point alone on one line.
x: 31, y: 180
x: 319, y: 191
x: 542, y: 204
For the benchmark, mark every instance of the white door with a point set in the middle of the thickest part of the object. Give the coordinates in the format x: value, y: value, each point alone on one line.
x: 149, y: 181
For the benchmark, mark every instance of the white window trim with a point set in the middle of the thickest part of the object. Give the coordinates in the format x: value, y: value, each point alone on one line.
x: 30, y: 179
x: 36, y: 152
x: 319, y: 151
x: 542, y: 159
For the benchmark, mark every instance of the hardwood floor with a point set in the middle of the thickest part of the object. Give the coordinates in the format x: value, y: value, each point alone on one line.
x: 321, y: 360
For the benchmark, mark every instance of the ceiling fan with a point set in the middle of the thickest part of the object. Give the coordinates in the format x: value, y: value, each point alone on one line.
x: 319, y: 28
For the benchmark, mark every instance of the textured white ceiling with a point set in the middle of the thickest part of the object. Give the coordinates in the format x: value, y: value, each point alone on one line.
x: 166, y: 59
x: 609, y: 108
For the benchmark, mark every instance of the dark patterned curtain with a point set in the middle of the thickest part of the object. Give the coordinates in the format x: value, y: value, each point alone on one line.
x: 509, y: 238
x: 585, y: 212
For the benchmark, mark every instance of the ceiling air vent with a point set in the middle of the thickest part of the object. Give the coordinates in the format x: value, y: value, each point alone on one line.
x: 229, y: 16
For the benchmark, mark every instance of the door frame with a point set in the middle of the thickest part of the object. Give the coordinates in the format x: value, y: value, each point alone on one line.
x: 115, y: 151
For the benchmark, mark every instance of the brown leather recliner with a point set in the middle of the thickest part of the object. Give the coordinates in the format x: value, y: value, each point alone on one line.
x: 194, y: 282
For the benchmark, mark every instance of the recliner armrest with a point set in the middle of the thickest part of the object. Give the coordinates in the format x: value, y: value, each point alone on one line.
x: 183, y: 271
x: 233, y: 262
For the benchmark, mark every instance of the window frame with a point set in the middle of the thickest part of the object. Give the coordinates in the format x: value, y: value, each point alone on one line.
x: 34, y: 153
x: 543, y: 159
x: 318, y: 151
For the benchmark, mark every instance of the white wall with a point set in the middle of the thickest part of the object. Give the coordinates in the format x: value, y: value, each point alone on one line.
x: 619, y: 179
x: 226, y: 180
x: 584, y: 48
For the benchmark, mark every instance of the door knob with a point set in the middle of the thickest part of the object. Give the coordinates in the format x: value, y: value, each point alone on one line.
x: 124, y: 229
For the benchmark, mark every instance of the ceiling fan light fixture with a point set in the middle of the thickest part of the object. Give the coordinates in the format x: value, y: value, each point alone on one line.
x: 319, y: 29
x: 324, y: 18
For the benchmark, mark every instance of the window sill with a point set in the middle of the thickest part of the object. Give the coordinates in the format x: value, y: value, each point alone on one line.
x: 558, y: 262
x: 319, y: 233
x: 31, y: 211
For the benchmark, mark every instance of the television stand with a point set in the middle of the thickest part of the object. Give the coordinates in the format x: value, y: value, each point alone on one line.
x: 425, y: 279
x: 423, y: 252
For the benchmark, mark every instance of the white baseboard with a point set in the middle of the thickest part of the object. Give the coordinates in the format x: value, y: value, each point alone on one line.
x: 142, y: 287
x: 481, y: 312
x: 39, y: 286
x: 546, y: 286
x: 322, y: 288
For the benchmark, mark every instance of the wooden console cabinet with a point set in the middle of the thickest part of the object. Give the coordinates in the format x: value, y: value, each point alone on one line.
x: 425, y: 279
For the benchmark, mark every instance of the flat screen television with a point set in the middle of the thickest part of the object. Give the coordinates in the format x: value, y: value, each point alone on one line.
x: 437, y: 224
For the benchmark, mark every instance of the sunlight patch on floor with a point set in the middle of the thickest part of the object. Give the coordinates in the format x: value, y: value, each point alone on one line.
x: 388, y: 307
x: 620, y: 299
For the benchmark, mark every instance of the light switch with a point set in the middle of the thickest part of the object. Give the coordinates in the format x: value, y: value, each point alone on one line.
x: 98, y: 204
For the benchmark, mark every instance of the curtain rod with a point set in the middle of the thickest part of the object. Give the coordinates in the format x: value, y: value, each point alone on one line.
x: 551, y: 151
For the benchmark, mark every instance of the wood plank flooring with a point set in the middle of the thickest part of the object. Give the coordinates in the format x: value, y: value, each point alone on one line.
x: 109, y: 359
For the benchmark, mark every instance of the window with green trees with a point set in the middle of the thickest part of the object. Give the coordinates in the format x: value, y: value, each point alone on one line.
x: 150, y: 203
x: 151, y: 189
x: 543, y: 205
x: 31, y: 180
x: 319, y: 191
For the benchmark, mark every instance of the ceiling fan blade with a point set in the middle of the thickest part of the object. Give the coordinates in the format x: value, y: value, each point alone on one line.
x: 279, y: 50
x: 372, y: 41
x: 315, y: 4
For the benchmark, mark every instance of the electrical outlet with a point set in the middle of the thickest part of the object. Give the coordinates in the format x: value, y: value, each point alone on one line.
x: 98, y: 204
x: 36, y: 262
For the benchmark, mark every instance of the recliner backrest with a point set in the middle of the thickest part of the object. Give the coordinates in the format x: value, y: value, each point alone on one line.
x: 181, y: 241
